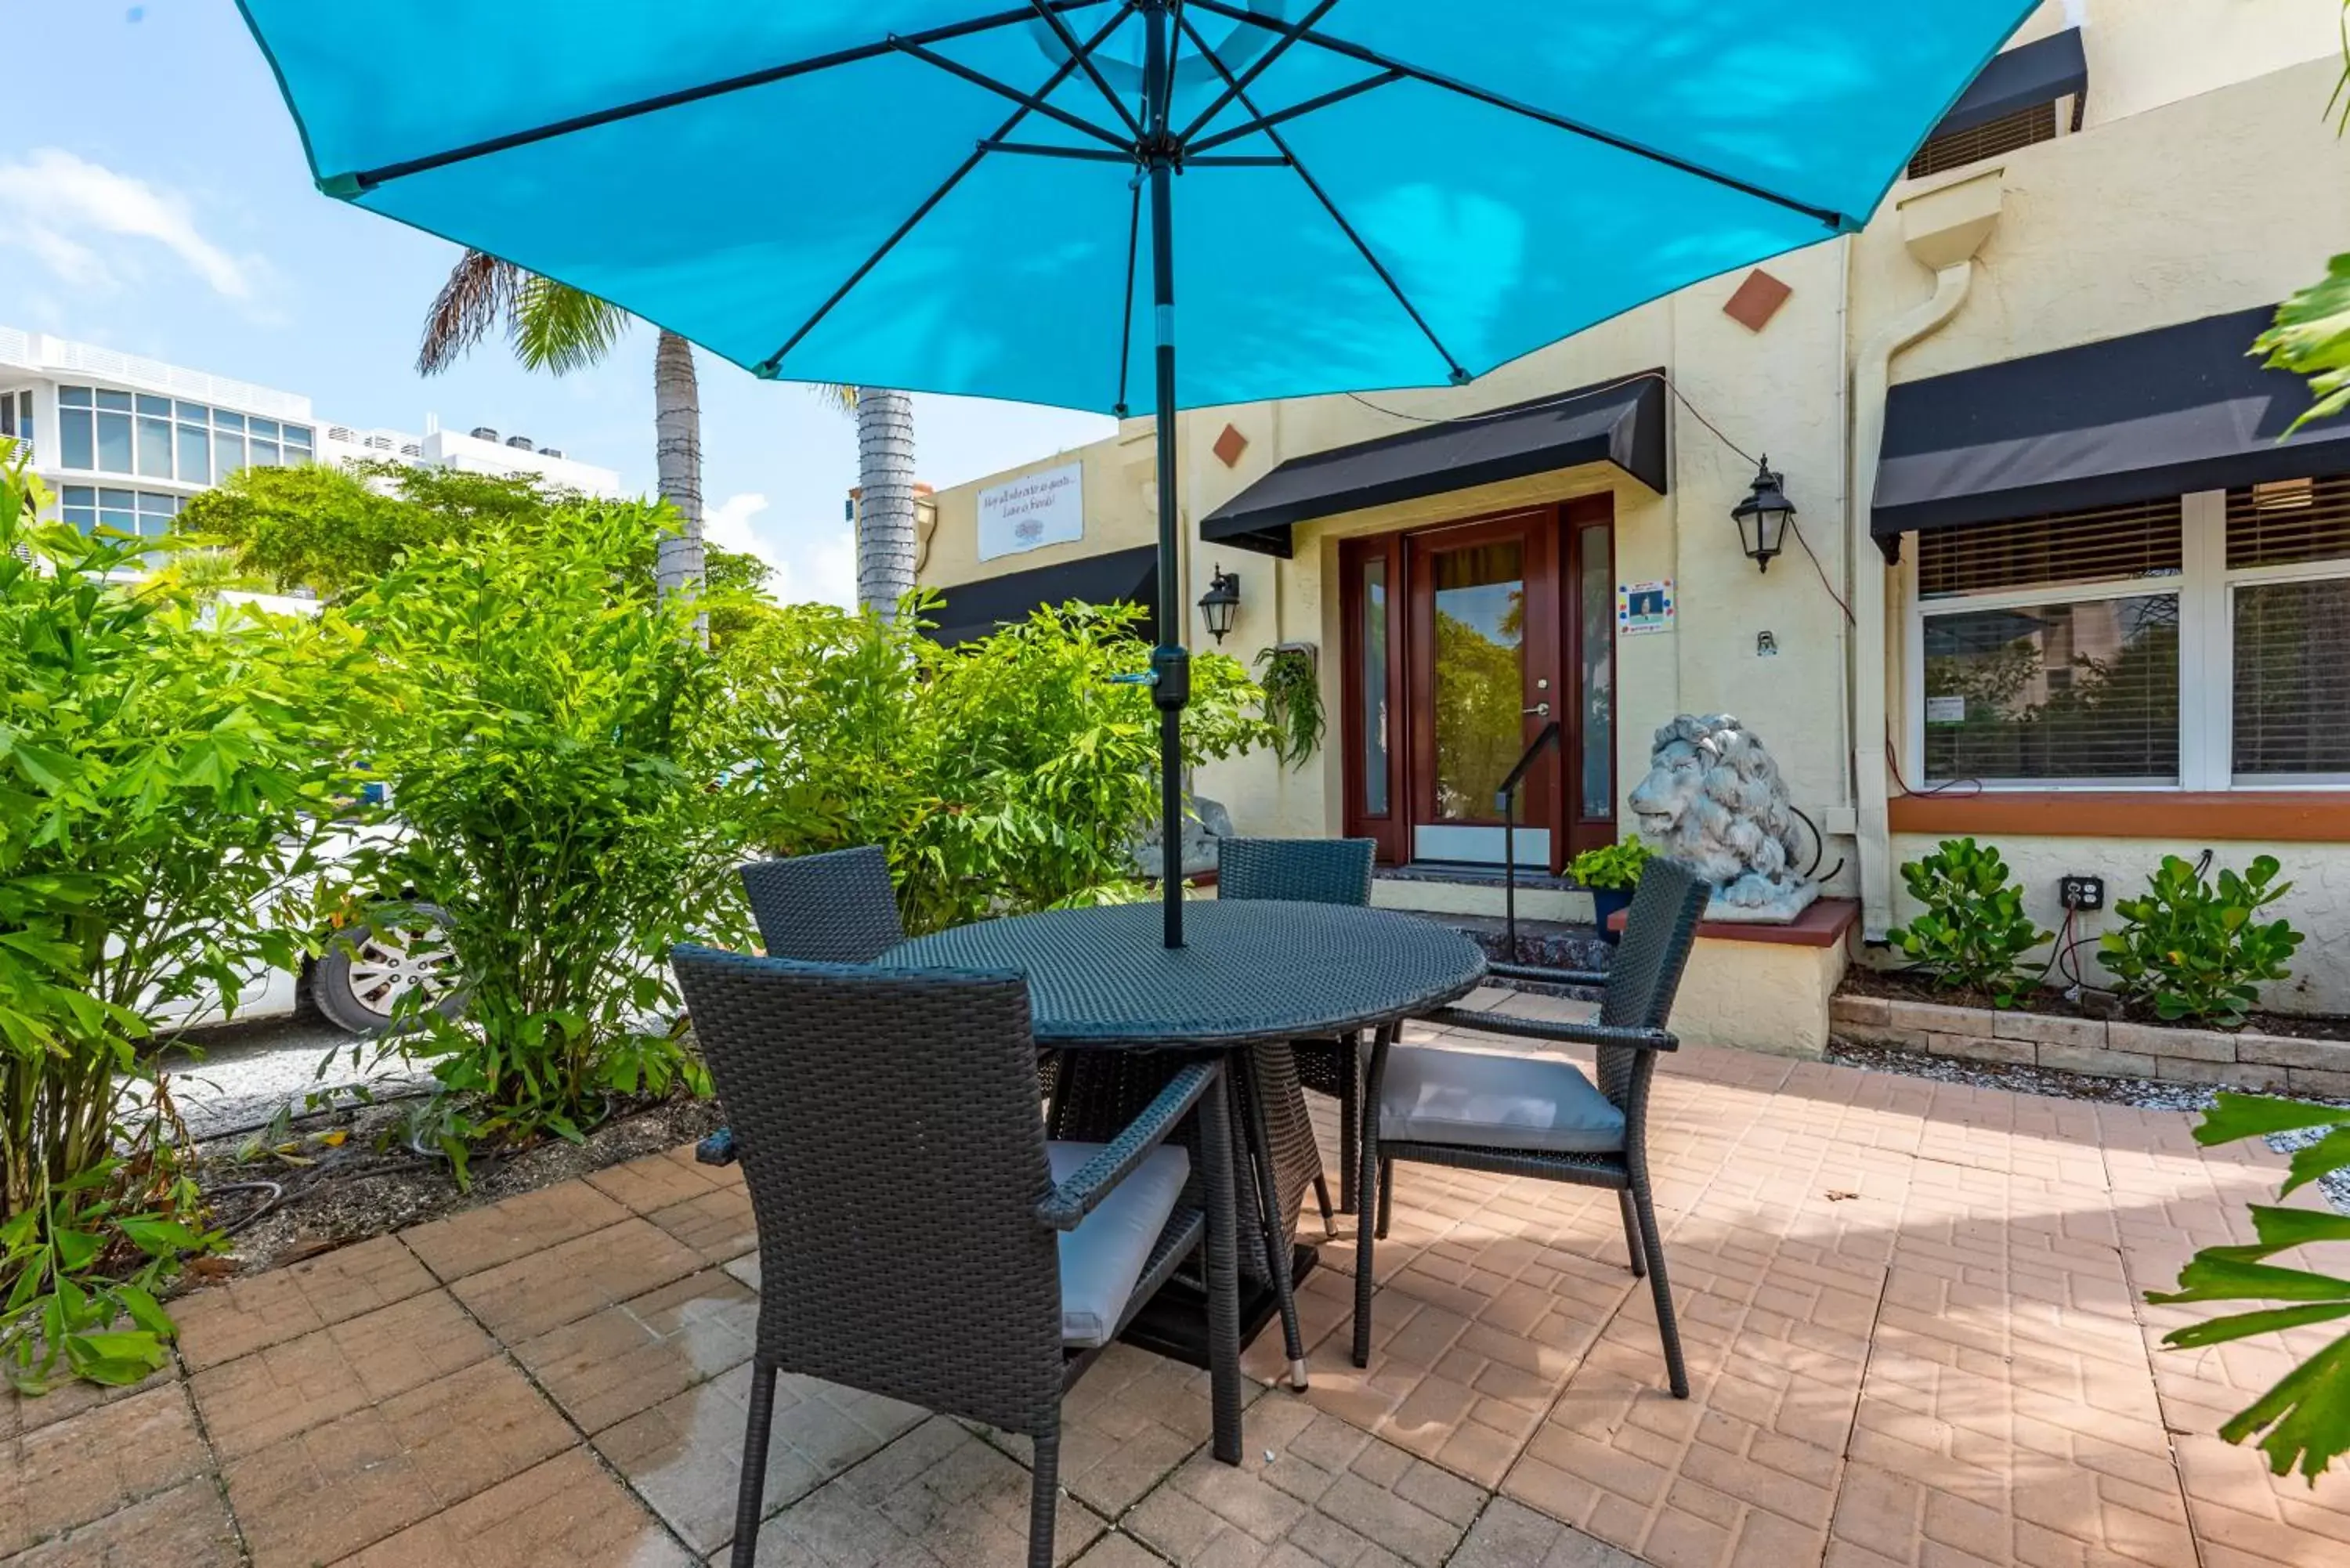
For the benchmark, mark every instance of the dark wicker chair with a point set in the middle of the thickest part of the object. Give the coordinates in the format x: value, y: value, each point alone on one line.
x: 918, y: 1237
x: 835, y: 907
x: 1312, y: 871
x: 1538, y: 1116
x: 838, y: 906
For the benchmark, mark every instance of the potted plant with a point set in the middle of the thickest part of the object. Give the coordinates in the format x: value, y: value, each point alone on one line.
x: 1611, y: 872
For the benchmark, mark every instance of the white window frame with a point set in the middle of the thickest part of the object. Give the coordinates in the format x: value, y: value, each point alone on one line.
x: 2206, y: 649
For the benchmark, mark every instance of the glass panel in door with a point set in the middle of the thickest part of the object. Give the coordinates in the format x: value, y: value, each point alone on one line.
x: 1479, y: 690
x: 1595, y: 673
x: 1373, y: 686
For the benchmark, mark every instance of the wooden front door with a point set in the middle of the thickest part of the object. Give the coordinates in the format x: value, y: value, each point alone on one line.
x: 1462, y: 642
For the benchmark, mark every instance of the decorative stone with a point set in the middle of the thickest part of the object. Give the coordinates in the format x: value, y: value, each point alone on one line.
x: 2250, y: 1078
x: 2162, y: 1040
x: 1230, y: 445
x: 1860, y: 1011
x: 2048, y: 1029
x: 1976, y: 1048
x: 1714, y: 800
x: 1939, y: 1018
x: 2318, y: 1081
x: 2284, y: 1051
x: 2096, y: 1064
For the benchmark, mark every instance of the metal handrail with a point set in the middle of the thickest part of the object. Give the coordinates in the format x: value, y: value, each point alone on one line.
x: 1505, y: 801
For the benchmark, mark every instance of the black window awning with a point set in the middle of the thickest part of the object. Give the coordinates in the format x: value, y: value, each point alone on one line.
x: 2023, y: 78
x: 1622, y: 422
x: 2157, y: 413
x: 1120, y: 576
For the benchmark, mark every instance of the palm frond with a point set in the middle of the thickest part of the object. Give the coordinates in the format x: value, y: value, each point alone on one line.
x: 557, y: 327
x: 479, y: 293
x: 838, y: 393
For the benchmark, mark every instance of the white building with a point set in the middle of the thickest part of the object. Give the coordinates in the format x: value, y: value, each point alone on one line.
x: 124, y: 440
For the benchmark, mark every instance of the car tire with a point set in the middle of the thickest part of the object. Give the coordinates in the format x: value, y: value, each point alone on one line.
x: 368, y: 968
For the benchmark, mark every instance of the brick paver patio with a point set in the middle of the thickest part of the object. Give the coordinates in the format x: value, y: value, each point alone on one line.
x: 1912, y: 1313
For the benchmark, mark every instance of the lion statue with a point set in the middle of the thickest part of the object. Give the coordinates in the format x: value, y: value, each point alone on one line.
x: 1713, y: 799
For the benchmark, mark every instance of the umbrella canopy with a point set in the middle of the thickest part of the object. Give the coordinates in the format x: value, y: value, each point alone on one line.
x: 981, y: 196
x: 809, y: 191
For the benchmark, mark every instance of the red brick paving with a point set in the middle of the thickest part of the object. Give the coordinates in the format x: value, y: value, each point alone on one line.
x: 1912, y: 1313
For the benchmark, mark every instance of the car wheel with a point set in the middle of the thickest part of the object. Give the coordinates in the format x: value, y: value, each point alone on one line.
x: 367, y: 971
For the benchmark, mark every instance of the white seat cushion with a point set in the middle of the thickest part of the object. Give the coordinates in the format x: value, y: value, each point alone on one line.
x: 1102, y: 1258
x: 1433, y: 1095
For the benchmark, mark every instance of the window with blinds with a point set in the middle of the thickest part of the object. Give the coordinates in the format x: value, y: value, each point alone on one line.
x: 2107, y: 544
x: 2292, y: 684
x: 2060, y: 693
x: 1992, y: 139
x: 2289, y: 522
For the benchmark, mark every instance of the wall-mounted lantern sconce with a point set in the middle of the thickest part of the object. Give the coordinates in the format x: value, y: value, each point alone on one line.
x: 1762, y: 516
x: 1221, y: 602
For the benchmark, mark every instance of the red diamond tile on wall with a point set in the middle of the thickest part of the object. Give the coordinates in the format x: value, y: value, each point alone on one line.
x: 1230, y: 445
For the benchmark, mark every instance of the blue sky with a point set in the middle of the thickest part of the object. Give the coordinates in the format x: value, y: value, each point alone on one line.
x: 153, y: 199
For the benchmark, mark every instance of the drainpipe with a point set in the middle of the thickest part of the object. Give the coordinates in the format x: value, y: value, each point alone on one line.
x: 1942, y: 229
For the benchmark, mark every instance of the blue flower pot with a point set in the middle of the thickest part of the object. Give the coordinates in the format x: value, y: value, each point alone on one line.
x: 1604, y: 902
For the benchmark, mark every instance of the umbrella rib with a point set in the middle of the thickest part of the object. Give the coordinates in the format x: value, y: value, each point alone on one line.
x: 1452, y: 365
x: 1046, y: 149
x: 773, y: 363
x: 1054, y: 19
x: 1005, y: 89
x: 1335, y: 95
x: 1370, y: 57
x: 368, y: 180
x: 1290, y: 33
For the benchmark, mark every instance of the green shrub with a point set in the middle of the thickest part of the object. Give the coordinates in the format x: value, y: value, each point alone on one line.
x: 1974, y: 933
x: 1002, y: 775
x: 1612, y: 865
x: 2307, y: 1413
x: 2192, y: 949
x: 571, y: 790
x: 168, y: 772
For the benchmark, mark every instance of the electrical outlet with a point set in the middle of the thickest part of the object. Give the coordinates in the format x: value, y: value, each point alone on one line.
x: 2081, y: 892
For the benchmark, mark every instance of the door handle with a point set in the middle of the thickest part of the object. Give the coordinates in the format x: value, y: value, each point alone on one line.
x: 1540, y: 710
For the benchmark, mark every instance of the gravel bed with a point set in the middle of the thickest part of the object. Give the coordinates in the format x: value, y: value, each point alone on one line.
x: 2146, y: 1094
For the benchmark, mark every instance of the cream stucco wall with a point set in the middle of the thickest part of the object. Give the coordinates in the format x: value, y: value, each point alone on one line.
x: 1757, y: 996
x: 2206, y: 180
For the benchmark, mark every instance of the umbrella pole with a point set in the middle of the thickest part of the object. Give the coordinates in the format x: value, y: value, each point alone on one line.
x: 1171, y: 665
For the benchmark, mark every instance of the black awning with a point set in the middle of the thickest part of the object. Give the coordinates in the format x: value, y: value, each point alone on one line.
x: 2024, y: 78
x: 2157, y: 413
x: 1622, y: 422
x: 1121, y: 576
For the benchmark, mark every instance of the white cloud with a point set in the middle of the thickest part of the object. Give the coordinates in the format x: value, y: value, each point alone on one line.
x: 54, y: 205
x: 821, y: 569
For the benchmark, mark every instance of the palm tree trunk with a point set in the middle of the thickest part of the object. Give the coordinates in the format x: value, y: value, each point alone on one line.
x: 885, y: 505
x: 677, y: 460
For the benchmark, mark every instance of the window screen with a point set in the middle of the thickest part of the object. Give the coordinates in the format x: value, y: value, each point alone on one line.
x: 2141, y: 539
x: 2289, y: 522
x: 1990, y: 139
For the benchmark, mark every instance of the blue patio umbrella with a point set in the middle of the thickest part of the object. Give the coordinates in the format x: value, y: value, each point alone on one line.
x: 1008, y: 200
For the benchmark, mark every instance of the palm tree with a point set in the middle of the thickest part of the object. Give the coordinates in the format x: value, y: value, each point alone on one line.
x: 553, y: 326
x: 886, y: 538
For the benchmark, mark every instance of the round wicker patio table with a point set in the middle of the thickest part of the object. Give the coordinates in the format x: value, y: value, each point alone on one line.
x: 1248, y: 972
x: 1251, y: 977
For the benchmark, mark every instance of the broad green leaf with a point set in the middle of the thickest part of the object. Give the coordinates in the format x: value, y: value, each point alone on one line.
x: 2306, y: 1415
x: 2224, y: 1273
x: 2242, y: 1324
x: 2238, y: 1115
